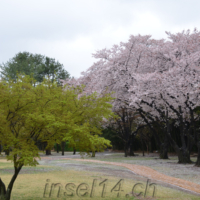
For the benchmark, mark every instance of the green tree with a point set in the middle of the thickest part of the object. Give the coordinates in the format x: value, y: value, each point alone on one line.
x: 46, y: 113
x: 38, y: 65
x: 87, y: 111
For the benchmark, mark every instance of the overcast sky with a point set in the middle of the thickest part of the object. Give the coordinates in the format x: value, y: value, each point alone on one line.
x: 71, y: 30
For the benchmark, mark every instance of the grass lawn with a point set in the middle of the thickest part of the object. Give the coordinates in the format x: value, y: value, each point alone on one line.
x: 30, y: 184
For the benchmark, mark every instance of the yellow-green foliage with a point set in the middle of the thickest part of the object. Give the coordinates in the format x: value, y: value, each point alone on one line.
x: 48, y: 113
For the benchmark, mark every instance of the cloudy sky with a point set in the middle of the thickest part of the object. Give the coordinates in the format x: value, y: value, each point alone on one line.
x: 71, y: 30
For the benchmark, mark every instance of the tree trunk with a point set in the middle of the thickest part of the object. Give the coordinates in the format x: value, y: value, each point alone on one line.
x: 2, y: 189
x: 142, y: 147
x: 57, y: 147
x: 163, y: 151
x: 127, y: 143
x: 125, y: 149
x: 164, y: 148
x: 74, y: 151
x: 165, y: 145
x: 48, y: 152
x: 131, y: 145
x: 63, y: 148
x: 93, y: 154
x: 197, y: 164
x: 184, y: 156
x: 153, y: 130
x: 6, y: 194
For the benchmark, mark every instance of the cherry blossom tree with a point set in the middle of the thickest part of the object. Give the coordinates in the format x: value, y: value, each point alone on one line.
x: 174, y: 94
x: 148, y: 76
x: 112, y: 72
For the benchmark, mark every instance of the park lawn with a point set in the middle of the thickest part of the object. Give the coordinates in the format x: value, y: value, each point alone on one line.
x: 169, y: 167
x: 119, y: 157
x: 31, y: 186
x: 6, y: 167
x: 5, y: 164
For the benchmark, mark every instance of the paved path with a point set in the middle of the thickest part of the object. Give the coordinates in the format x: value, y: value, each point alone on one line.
x: 152, y: 174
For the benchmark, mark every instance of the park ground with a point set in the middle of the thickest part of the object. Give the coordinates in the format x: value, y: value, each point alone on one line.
x: 103, y: 180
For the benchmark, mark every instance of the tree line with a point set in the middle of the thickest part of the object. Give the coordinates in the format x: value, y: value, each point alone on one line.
x: 156, y: 86
x: 144, y: 87
x: 34, y: 111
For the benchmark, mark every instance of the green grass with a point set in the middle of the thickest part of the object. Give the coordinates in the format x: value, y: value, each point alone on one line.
x: 30, y: 186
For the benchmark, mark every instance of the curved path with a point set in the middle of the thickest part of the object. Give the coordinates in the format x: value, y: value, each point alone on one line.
x: 151, y: 174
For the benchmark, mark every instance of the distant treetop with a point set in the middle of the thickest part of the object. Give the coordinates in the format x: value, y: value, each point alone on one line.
x: 33, y: 64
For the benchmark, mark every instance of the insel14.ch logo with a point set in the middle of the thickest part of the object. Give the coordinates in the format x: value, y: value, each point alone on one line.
x: 83, y: 189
